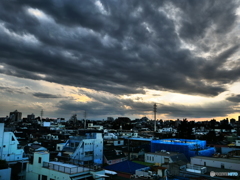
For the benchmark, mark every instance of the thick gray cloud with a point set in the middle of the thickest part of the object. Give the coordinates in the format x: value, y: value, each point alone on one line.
x: 46, y: 95
x: 234, y: 98
x: 110, y: 51
x: 121, y: 47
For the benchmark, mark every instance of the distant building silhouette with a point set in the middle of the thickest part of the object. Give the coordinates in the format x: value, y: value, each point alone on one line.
x: 30, y: 117
x: 17, y: 116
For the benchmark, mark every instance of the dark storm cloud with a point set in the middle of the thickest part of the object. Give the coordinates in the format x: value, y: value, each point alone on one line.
x: 46, y: 95
x: 234, y: 98
x: 122, y: 48
x: 198, y: 16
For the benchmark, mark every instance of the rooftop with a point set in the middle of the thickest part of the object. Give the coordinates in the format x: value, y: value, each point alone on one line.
x: 164, y: 153
x: 237, y: 161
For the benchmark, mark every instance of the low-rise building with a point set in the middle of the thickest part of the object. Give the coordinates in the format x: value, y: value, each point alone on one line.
x: 9, y: 149
x: 223, y: 163
x: 43, y: 169
x: 164, y: 157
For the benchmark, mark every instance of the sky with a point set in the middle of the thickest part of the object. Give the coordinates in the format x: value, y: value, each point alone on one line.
x: 114, y: 58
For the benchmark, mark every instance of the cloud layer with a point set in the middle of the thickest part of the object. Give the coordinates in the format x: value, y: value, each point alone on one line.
x: 122, y: 48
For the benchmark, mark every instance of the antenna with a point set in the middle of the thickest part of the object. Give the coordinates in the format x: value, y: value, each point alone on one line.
x: 155, y: 112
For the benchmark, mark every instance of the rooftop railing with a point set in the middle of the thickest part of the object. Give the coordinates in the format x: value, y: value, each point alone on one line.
x: 64, y: 168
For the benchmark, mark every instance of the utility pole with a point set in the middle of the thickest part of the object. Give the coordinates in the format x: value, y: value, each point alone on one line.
x: 41, y: 116
x: 155, y: 120
x: 85, y: 119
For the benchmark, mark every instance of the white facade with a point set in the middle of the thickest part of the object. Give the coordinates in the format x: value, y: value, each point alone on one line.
x: 110, y: 136
x: 43, y: 169
x: 158, y: 158
x: 223, y: 163
x: 84, y: 149
x: 237, y: 142
x: 9, y: 146
x: 167, y: 130
x: 97, y: 127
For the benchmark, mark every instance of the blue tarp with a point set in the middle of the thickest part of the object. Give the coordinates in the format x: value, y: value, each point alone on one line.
x: 125, y: 167
x: 186, y: 146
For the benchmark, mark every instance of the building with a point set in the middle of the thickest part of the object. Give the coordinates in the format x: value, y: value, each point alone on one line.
x: 43, y: 169
x: 30, y: 117
x: 113, y: 156
x: 15, y: 115
x: 9, y: 149
x: 125, y: 169
x: 164, y: 157
x: 86, y: 149
x: 188, y: 147
x: 96, y: 127
x: 223, y: 163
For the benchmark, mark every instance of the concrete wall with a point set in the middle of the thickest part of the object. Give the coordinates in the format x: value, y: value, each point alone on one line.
x: 5, y: 174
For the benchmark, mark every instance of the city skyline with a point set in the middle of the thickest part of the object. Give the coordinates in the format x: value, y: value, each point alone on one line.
x: 119, y: 58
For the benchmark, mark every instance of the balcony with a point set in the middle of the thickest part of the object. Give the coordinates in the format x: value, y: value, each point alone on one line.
x: 65, y: 168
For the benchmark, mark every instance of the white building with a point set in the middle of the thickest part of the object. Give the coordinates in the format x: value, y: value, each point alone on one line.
x: 114, y: 142
x: 223, y: 163
x: 9, y: 150
x: 237, y: 142
x: 43, y: 169
x: 97, y: 127
x: 85, y: 149
x: 167, y: 130
x: 164, y: 157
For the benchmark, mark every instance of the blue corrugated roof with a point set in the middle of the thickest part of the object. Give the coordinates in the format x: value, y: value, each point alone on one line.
x: 125, y: 166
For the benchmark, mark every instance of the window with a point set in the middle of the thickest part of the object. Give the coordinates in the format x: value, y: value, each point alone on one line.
x: 39, y: 177
x: 39, y: 160
x: 44, y: 177
x: 222, y: 166
x: 204, y: 163
x: 88, y: 153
